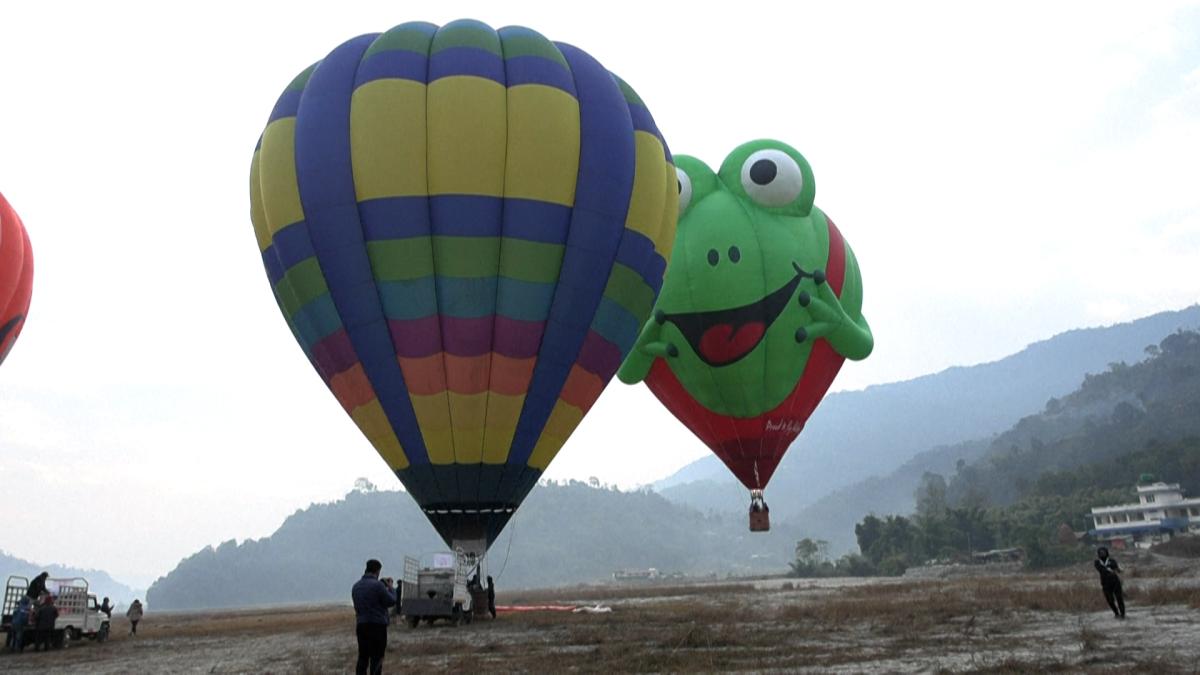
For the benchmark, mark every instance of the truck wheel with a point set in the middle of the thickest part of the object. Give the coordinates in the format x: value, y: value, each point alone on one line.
x: 412, y: 621
x: 75, y: 634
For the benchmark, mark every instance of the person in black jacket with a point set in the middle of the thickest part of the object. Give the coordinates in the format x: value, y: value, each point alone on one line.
x: 37, y: 586
x: 372, y: 597
x: 491, y: 590
x: 47, y: 614
x: 1110, y: 581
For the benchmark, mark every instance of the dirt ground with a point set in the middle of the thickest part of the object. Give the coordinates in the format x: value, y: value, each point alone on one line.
x: 1047, y: 622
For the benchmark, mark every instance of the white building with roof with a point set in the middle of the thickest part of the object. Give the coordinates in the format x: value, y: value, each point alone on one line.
x: 1160, y: 512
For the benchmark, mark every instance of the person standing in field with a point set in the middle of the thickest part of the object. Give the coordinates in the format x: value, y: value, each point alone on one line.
x: 47, y: 614
x: 134, y: 614
x: 19, y: 621
x: 491, y: 590
x: 372, y: 597
x: 1110, y: 581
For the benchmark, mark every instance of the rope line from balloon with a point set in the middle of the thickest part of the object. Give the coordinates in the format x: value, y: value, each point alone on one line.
x: 512, y: 534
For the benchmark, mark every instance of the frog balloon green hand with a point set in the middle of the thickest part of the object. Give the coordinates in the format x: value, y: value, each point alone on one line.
x: 849, y: 335
x: 761, y: 304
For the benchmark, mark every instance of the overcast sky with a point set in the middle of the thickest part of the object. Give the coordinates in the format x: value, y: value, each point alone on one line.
x: 1004, y: 173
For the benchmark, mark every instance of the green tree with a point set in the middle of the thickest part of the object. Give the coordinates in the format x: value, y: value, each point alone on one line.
x: 811, y: 559
x: 931, y: 496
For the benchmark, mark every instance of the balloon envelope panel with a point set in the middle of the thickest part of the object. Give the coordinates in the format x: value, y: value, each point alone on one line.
x: 16, y: 276
x: 464, y: 228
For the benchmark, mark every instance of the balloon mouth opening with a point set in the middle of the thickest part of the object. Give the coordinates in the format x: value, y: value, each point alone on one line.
x: 726, y: 336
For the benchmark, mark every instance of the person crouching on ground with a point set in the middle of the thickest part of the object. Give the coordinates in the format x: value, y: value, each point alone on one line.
x: 47, y: 614
x: 1110, y: 581
x: 134, y: 614
x: 372, y: 597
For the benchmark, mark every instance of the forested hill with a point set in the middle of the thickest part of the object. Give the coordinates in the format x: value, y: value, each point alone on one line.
x: 1128, y: 419
x: 1113, y: 414
x: 856, y: 435
x: 563, y: 534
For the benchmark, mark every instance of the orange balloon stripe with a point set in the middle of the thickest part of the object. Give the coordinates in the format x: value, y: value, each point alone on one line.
x: 582, y: 388
x: 424, y: 376
x: 467, y: 375
x: 511, y: 376
x: 352, y: 388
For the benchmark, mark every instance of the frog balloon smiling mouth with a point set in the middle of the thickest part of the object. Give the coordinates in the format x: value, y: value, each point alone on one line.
x: 724, y: 336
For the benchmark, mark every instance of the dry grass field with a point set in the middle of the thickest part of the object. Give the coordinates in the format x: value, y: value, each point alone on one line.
x: 1049, y: 622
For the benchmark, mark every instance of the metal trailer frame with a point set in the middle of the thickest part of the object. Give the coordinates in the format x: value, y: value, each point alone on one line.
x: 432, y: 593
x: 74, y: 603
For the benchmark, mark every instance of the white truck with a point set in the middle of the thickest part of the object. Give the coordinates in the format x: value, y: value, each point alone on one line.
x: 79, y: 614
x: 437, y: 588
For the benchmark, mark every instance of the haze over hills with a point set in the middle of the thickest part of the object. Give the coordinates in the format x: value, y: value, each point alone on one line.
x: 1112, y: 414
x: 571, y: 533
x: 99, y: 582
x: 563, y: 534
x: 856, y: 435
x: 1127, y: 409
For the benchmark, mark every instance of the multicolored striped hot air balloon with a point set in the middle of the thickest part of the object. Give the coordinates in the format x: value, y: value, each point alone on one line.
x: 465, y: 229
x: 16, y: 276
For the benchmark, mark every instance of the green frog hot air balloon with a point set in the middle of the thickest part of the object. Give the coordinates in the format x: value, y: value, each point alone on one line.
x: 465, y: 229
x: 762, y: 304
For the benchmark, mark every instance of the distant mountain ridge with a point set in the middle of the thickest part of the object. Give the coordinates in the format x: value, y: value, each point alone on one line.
x: 572, y: 533
x: 99, y: 582
x: 1114, y: 414
x: 1111, y: 414
x: 856, y: 435
x: 563, y: 534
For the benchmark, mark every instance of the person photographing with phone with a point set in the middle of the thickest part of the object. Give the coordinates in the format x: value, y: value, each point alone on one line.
x: 372, y: 596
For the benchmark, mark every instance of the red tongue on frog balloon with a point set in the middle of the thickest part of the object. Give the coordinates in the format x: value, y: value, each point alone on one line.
x: 721, y: 344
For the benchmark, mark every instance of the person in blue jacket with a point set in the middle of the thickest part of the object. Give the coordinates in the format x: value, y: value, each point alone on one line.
x: 372, y: 597
x: 20, y: 620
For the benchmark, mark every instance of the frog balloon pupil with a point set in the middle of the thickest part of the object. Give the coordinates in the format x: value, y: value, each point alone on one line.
x: 743, y: 352
x: 763, y: 171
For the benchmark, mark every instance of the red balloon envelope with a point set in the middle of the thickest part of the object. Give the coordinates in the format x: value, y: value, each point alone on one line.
x: 16, y: 276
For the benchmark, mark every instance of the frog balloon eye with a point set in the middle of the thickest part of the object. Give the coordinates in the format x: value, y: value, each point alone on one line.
x: 772, y: 178
x: 685, y: 189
